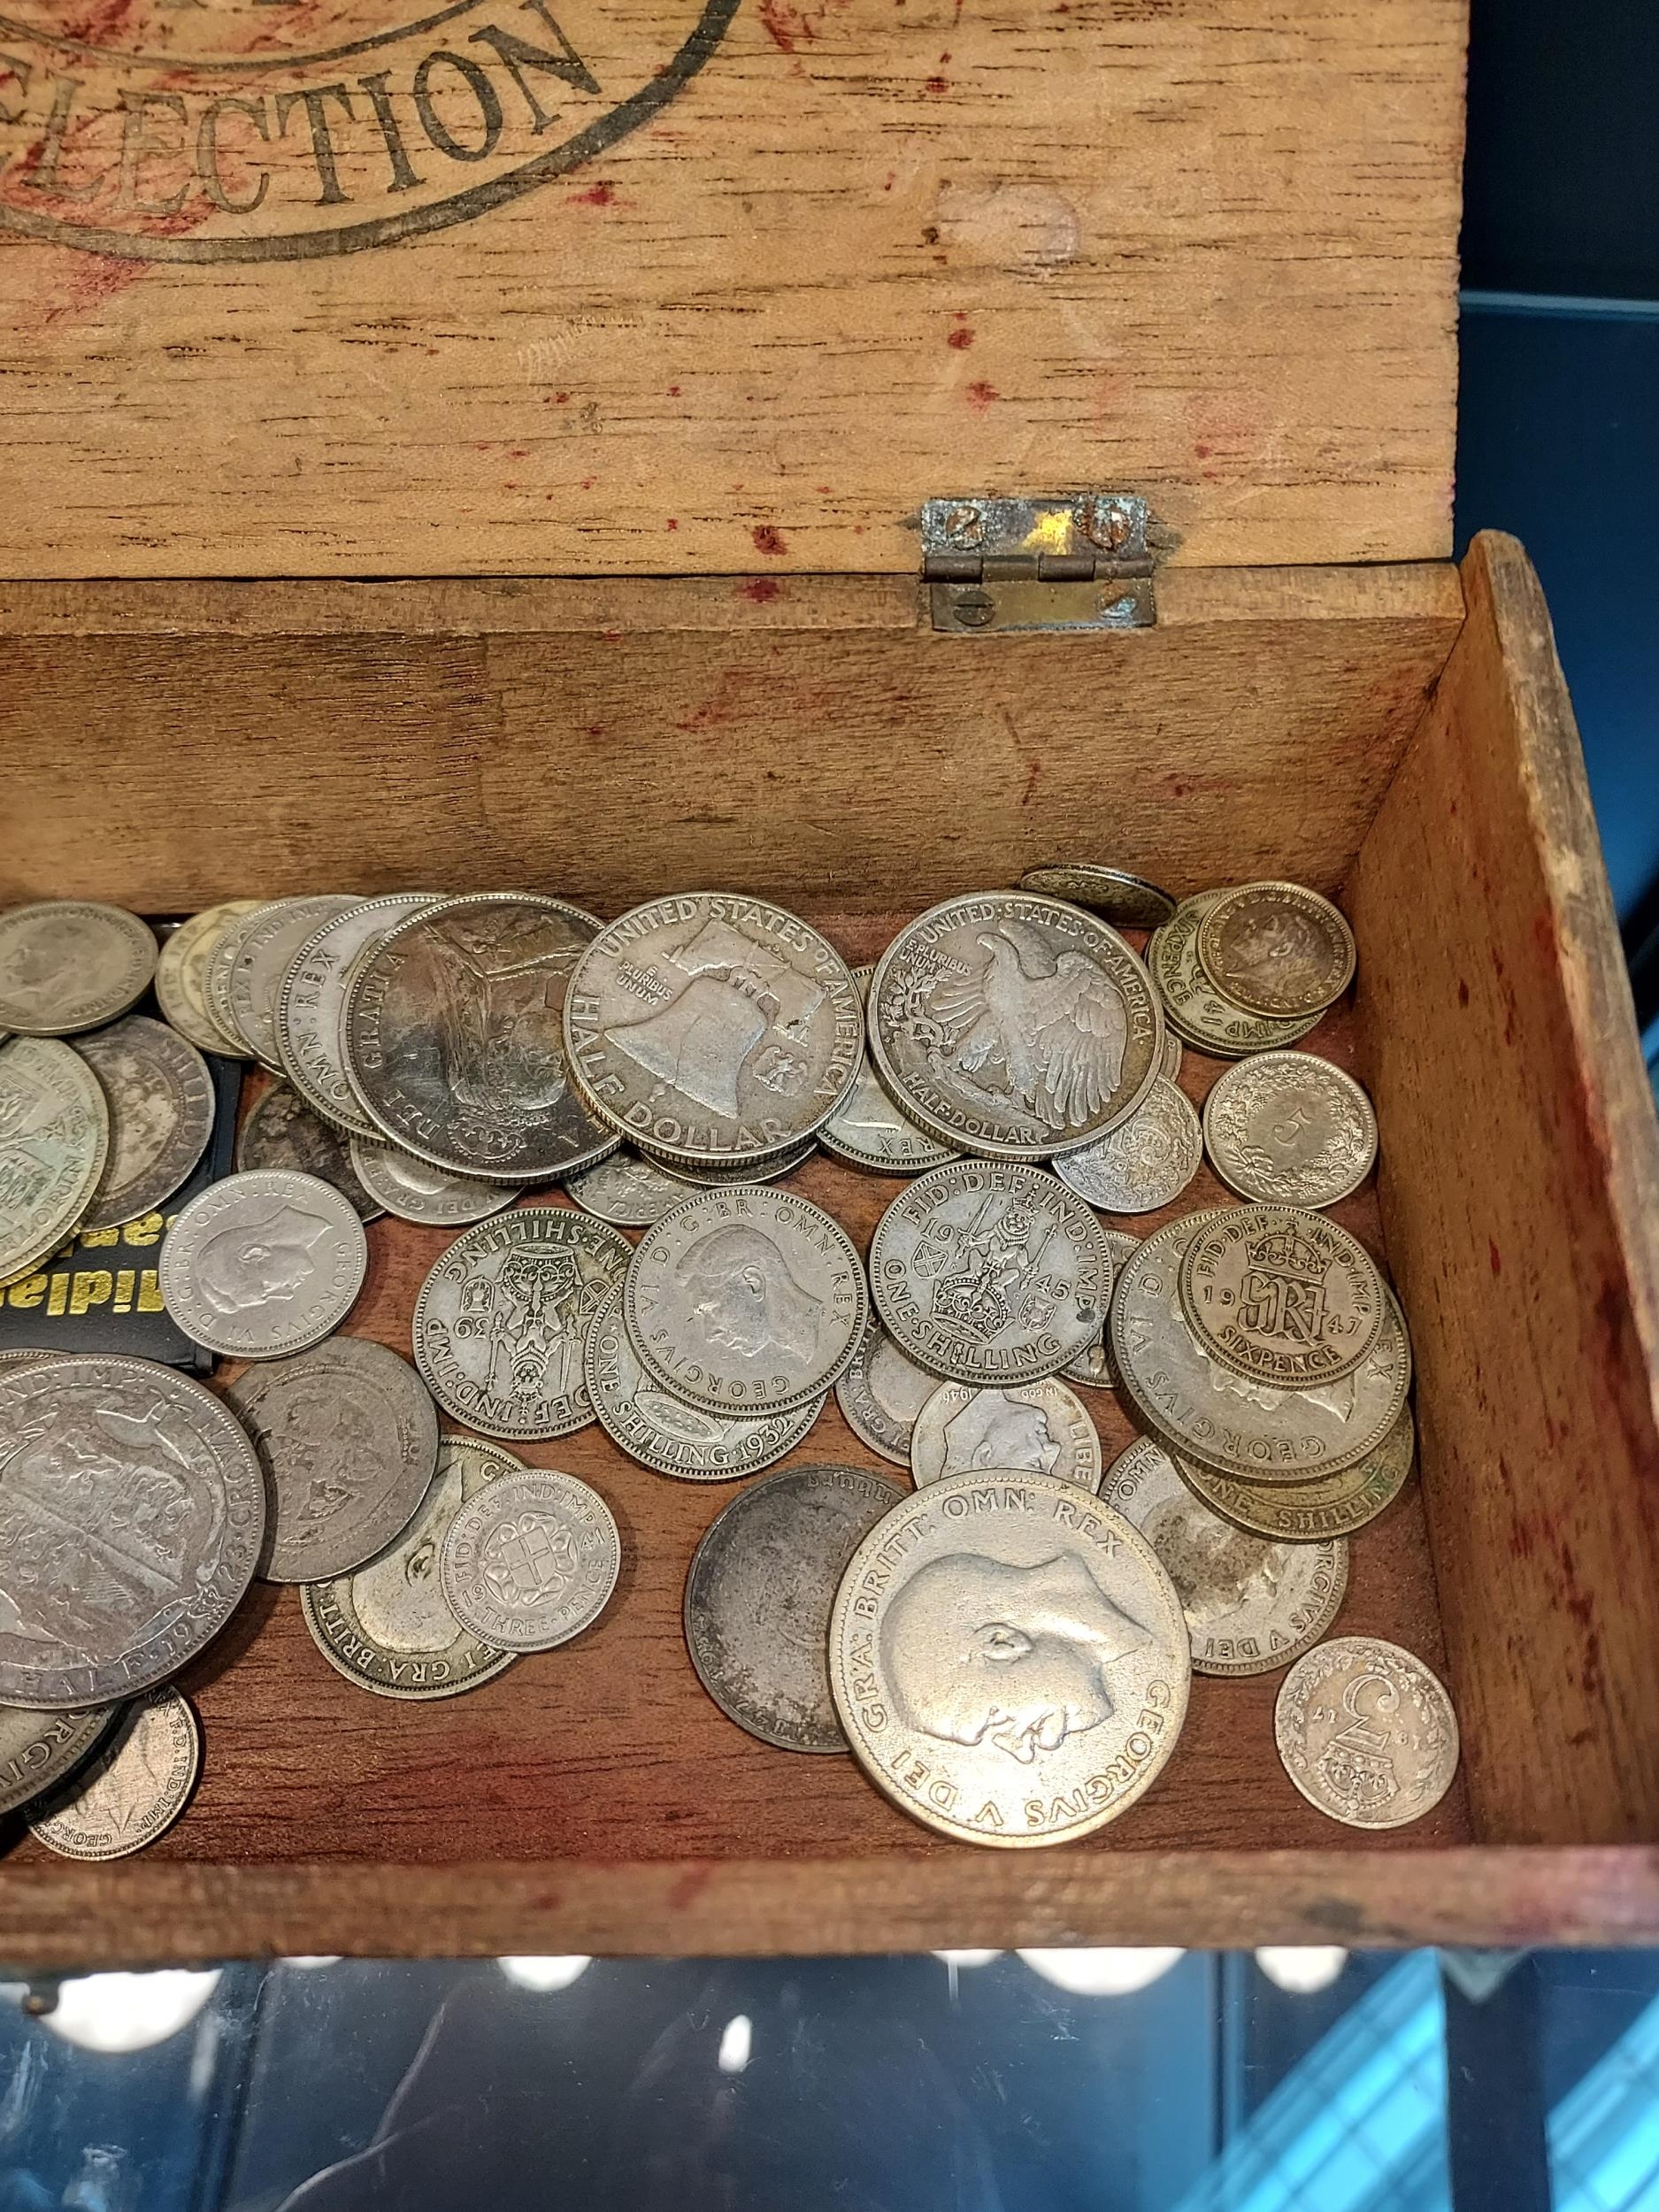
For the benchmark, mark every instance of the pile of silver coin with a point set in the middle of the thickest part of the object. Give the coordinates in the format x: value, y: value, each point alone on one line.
x: 1006, y: 1645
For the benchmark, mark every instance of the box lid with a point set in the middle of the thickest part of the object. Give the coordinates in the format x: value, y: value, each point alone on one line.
x: 613, y: 287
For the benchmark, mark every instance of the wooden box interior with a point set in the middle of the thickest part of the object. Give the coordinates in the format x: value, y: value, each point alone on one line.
x: 1388, y: 735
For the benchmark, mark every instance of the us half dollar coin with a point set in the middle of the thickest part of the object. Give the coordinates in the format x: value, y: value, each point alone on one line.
x: 1014, y: 1027
x: 662, y: 1432
x: 348, y: 1439
x: 987, y: 1272
x: 311, y: 1005
x: 453, y: 1037
x: 532, y: 1560
x: 1038, y: 1428
x: 1143, y: 1163
x: 1010, y: 1659
x: 1366, y: 1732
x: 264, y: 1263
x: 746, y: 1301
x: 880, y: 1393
x: 181, y: 974
x: 1289, y: 1129
x: 54, y: 1142
x: 281, y: 1131
x: 1312, y: 1512
x: 386, y: 1628
x: 1276, y: 948
x: 414, y: 1190
x: 501, y: 1321
x: 38, y: 1749
x: 1283, y: 1296
x: 1094, y: 1366
x: 160, y: 1097
x: 713, y: 1028
x: 69, y: 965
x: 1128, y: 902
x: 134, y: 1790
x: 758, y: 1598
x: 869, y: 1131
x: 132, y: 1511
x: 265, y: 945
x: 1251, y: 1605
x: 1195, y: 1008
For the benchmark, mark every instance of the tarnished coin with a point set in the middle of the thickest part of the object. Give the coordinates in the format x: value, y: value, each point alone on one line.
x: 1145, y: 1162
x: 281, y: 1131
x: 662, y: 1432
x: 414, y: 1190
x: 1008, y: 1659
x: 1037, y: 1428
x: 1171, y: 1056
x: 1366, y: 1732
x: 710, y: 1027
x: 501, y: 1321
x: 38, y: 1749
x: 1013, y: 1026
x: 1094, y: 1367
x: 1289, y: 1129
x: 869, y: 1131
x: 69, y: 965
x: 386, y: 1627
x: 880, y: 1393
x: 988, y: 1272
x: 22, y: 1358
x: 1127, y: 901
x: 216, y: 973
x: 627, y: 1190
x: 182, y: 974
x: 453, y: 1037
x: 1207, y: 1412
x: 160, y: 1098
x: 348, y: 1439
x: 1194, y: 1005
x: 531, y: 1561
x: 311, y: 1005
x: 758, y: 1598
x: 708, y: 1175
x: 264, y: 1263
x: 265, y: 945
x: 132, y: 1510
x: 1276, y: 948
x: 1285, y: 1296
x: 1311, y: 1512
x: 1251, y: 1606
x: 54, y: 1141
x: 135, y: 1789
x: 746, y: 1301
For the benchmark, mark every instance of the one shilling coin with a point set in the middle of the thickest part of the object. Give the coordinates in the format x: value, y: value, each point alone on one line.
x: 1143, y: 1163
x: 880, y: 1393
x: 160, y: 1097
x: 990, y: 1272
x: 414, y: 1190
x: 311, y: 1005
x: 348, y: 1439
x: 1276, y: 948
x: 1283, y: 1296
x: 627, y: 1190
x: 665, y: 1433
x: 265, y: 946
x: 1312, y: 1512
x: 1366, y: 1732
x: 281, y: 1131
x: 386, y: 1627
x: 746, y: 1301
x: 134, y: 1790
x: 54, y: 1142
x: 182, y: 974
x: 1125, y: 901
x: 1194, y: 1007
x: 264, y: 1263
x: 1289, y: 1129
x: 1094, y: 1367
x: 759, y: 1592
x: 501, y: 1321
x: 69, y: 965
x: 1012, y: 1026
x: 1251, y: 1605
x: 38, y: 1749
x: 531, y: 1561
x: 1008, y: 1659
x: 1038, y: 1428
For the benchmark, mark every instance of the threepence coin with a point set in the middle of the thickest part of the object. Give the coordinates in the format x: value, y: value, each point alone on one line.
x: 1146, y: 1161
x: 1127, y: 901
x: 1251, y: 1606
x: 1276, y: 948
x: 880, y: 1393
x: 38, y: 1749
x: 181, y: 974
x: 627, y: 1190
x: 1311, y: 1512
x: 265, y: 946
x: 160, y: 1097
x: 131, y: 1510
x: 758, y: 1598
x: 746, y: 1301
x: 1094, y: 1367
x: 69, y: 965
x: 414, y: 1190
x: 869, y: 1130
x: 1012, y: 1026
x: 263, y: 1265
x: 501, y: 1321
x: 310, y: 1005
x: 134, y: 1790
x: 54, y: 1142
x: 348, y: 1439
x: 1282, y: 1296
x: 386, y: 1627
x: 990, y: 1274
x: 665, y: 1433
x: 1289, y: 1129
x: 713, y: 1028
x: 454, y: 1043
x: 281, y: 1131
x: 1194, y: 1007
x: 1038, y: 1428
x: 532, y: 1560
x: 1008, y: 1659
x: 1366, y: 1732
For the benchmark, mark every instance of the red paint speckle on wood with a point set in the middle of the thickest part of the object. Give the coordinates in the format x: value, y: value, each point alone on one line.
x: 981, y: 395
x: 674, y: 391
x: 893, y: 177
x: 1203, y: 451
x: 962, y: 336
x: 768, y: 540
x: 1495, y: 1257
x: 588, y: 482
x: 1032, y: 775
x: 1462, y: 992
x: 760, y: 588
x: 672, y: 524
x: 596, y: 196
x: 936, y: 85
x: 787, y: 27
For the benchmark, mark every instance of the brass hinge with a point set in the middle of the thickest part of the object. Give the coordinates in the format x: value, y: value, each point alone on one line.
x: 1075, y: 562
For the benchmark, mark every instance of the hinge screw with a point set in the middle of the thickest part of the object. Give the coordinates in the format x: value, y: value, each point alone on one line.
x: 1107, y: 525
x: 965, y: 526
x: 974, y: 608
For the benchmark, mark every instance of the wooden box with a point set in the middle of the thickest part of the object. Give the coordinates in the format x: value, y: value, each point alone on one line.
x: 642, y: 406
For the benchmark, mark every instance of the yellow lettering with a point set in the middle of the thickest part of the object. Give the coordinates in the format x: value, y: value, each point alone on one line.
x: 28, y: 1293
x: 90, y: 1286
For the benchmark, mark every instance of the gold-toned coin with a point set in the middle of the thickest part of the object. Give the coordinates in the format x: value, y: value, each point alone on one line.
x: 1194, y: 1007
x: 1277, y: 949
x: 1366, y: 1732
x: 1311, y: 1512
x: 133, y: 1791
x: 182, y: 974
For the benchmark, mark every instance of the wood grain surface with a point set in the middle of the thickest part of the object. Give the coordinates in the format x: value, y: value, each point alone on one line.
x: 1202, y: 249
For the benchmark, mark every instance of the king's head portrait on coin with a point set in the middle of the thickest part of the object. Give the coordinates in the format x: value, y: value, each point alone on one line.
x: 1218, y: 1569
x: 994, y: 1432
x: 254, y: 1262
x: 978, y: 1649
x: 744, y: 1296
